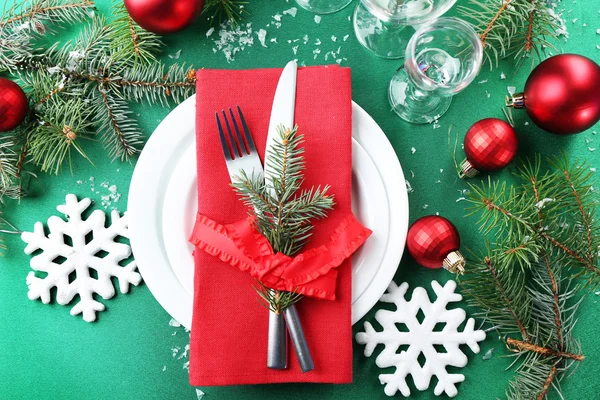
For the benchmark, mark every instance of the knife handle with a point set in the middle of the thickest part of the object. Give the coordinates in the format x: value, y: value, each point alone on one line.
x: 277, y: 342
x: 298, y: 339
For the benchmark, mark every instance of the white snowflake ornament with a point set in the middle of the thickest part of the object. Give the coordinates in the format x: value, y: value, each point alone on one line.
x: 79, y: 257
x: 402, y: 349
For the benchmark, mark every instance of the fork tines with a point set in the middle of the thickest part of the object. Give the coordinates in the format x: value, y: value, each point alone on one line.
x: 236, y: 146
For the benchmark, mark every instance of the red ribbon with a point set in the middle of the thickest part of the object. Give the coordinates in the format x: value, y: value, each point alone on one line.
x: 312, y: 273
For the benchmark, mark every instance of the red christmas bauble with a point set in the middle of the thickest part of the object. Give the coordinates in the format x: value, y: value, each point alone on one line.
x: 490, y: 144
x: 562, y: 94
x: 433, y: 242
x: 164, y: 16
x: 13, y: 105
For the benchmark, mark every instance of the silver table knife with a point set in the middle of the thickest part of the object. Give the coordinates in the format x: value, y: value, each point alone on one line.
x: 282, y: 113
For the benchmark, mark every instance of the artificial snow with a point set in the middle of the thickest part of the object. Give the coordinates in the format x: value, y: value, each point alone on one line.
x: 292, y: 11
x: 488, y: 354
x: 262, y: 34
x: 175, y: 56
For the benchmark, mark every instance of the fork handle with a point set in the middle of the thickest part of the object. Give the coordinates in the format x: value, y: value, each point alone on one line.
x: 298, y: 339
x: 277, y: 342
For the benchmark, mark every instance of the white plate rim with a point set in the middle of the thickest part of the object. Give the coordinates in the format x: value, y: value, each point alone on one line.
x: 159, y: 158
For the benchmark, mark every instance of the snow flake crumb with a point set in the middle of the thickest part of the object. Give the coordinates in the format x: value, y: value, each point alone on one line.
x: 292, y: 11
x: 262, y: 35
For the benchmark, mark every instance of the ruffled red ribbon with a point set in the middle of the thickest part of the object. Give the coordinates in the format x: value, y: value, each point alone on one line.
x: 312, y: 273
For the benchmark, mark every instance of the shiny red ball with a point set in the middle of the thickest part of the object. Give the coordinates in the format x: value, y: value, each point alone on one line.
x: 13, y: 105
x: 491, y: 144
x: 562, y: 94
x: 164, y: 16
x: 430, y: 239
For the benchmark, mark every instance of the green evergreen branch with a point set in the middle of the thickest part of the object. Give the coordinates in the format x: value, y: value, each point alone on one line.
x: 129, y: 42
x: 225, y: 10
x: 62, y: 125
x: 548, y: 219
x: 283, y: 211
x: 120, y: 132
x: 502, y: 296
x: 514, y: 28
x: 54, y: 12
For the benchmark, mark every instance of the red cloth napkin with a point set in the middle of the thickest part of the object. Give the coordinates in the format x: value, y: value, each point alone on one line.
x: 229, y: 327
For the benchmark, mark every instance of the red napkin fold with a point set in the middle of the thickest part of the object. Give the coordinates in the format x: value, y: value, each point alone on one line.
x: 229, y: 327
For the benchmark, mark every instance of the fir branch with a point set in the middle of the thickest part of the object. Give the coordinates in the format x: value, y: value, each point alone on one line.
x: 120, y: 132
x: 283, y: 212
x: 551, y: 208
x: 156, y: 83
x: 514, y: 28
x: 52, y: 11
x: 502, y: 296
x: 62, y: 125
x: 495, y: 203
x: 8, y: 162
x: 130, y: 42
x: 225, y: 10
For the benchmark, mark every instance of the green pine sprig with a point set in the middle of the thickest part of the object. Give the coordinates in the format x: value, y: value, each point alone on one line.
x: 283, y: 210
x: 131, y: 43
x: 543, y: 242
x: 521, y: 29
x: 220, y: 11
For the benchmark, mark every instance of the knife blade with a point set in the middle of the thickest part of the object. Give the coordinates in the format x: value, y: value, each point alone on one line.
x: 282, y: 113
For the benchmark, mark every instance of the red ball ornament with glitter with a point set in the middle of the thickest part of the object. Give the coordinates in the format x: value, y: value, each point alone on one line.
x: 490, y: 144
x: 562, y: 94
x: 433, y: 242
x: 13, y: 105
x: 164, y: 16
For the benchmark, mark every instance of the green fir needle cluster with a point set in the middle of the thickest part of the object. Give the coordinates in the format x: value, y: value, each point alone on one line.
x: 522, y: 29
x: 543, y: 243
x: 283, y: 210
x: 220, y: 11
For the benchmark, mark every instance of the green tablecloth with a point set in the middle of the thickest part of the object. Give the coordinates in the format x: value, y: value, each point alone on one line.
x: 131, y: 351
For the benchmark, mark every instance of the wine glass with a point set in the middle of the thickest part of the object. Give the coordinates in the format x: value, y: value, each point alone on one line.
x: 323, y: 6
x: 384, y: 27
x: 442, y: 58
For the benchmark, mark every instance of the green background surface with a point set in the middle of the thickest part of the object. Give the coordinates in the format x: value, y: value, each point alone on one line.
x: 128, y: 352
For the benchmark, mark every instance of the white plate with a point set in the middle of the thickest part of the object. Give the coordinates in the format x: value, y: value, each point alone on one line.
x: 163, y: 202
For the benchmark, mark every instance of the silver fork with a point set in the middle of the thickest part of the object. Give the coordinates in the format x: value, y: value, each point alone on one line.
x: 241, y: 158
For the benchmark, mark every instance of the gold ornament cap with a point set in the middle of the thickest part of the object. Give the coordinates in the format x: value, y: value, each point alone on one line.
x: 517, y: 100
x: 467, y: 170
x: 455, y: 263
